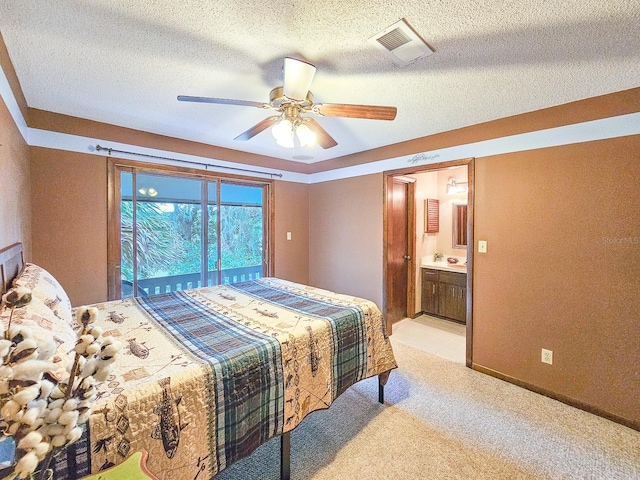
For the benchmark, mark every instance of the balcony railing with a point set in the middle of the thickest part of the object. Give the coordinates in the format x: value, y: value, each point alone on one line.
x: 174, y: 283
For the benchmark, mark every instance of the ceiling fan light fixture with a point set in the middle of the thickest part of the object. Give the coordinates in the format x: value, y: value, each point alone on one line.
x: 306, y: 136
x: 297, y: 78
x: 283, y: 133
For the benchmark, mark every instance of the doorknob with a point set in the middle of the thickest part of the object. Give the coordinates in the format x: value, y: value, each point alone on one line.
x: 407, y: 257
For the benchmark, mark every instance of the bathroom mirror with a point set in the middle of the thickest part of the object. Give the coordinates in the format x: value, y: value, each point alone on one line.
x: 459, y: 222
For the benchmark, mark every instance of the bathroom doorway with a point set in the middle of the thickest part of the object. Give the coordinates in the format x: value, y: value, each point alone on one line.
x: 441, y: 253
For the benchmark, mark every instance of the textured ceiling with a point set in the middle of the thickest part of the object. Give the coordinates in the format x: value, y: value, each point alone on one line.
x: 125, y: 62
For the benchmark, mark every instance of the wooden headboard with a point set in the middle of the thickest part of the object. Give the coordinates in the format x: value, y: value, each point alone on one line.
x: 11, y: 263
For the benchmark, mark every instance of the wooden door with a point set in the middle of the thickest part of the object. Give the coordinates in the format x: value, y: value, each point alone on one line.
x: 399, y: 208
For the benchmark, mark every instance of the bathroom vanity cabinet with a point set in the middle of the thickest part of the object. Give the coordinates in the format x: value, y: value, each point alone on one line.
x: 444, y: 294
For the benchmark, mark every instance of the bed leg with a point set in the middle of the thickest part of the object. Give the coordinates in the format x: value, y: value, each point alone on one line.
x: 285, y: 456
x: 382, y: 381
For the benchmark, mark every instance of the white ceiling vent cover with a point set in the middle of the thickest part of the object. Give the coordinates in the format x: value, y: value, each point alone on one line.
x: 401, y: 44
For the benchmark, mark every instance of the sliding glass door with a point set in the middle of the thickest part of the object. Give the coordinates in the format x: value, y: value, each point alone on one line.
x: 177, y: 231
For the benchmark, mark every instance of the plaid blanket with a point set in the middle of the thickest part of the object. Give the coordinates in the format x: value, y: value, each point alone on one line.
x: 246, y: 392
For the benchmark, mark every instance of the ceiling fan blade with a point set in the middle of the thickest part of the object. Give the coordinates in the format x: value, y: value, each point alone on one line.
x: 257, y: 128
x: 356, y: 111
x: 222, y: 101
x: 322, y: 137
x: 297, y: 78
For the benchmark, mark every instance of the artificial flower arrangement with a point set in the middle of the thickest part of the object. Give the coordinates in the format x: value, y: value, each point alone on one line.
x: 40, y: 412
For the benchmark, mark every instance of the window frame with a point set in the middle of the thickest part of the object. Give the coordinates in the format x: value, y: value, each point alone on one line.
x: 114, y: 252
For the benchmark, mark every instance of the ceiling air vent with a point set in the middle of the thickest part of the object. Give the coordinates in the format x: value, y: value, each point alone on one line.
x: 401, y: 44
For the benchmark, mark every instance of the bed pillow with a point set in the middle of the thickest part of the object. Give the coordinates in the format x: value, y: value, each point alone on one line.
x: 47, y: 289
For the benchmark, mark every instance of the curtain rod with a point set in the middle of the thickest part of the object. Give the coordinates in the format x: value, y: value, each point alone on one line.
x: 205, y: 165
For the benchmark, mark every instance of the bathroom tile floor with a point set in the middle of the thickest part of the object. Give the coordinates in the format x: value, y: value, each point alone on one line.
x: 433, y: 335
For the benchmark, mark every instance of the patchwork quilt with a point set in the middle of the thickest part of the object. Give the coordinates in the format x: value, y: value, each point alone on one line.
x: 207, y: 375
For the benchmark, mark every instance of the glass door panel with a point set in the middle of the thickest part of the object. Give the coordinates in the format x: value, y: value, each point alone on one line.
x: 241, y: 232
x: 168, y: 233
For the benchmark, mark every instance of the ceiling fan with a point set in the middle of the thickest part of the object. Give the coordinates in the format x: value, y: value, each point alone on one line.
x: 293, y: 99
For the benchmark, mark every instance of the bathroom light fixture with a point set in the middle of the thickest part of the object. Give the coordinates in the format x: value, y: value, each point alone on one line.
x: 454, y: 187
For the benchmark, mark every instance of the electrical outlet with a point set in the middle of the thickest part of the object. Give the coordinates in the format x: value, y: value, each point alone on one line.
x: 547, y: 356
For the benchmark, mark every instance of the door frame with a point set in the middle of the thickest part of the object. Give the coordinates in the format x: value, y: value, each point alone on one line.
x: 470, y: 164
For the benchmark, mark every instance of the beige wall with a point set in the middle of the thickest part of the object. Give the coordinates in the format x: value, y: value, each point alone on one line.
x: 292, y: 215
x: 69, y: 199
x: 345, y: 236
x: 15, y: 185
x: 561, y: 271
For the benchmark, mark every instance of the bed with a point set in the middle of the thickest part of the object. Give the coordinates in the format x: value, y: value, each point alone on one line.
x: 208, y: 375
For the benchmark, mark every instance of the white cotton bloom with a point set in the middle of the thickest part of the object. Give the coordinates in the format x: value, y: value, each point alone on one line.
x: 30, y: 416
x: 46, y: 388
x: 30, y: 440
x: 74, y: 435
x: 10, y: 410
x: 53, y: 415
x: 70, y: 404
x: 27, y: 394
x: 84, y: 416
x: 56, y: 403
x: 83, y: 342
x: 41, y: 450
x: 17, y: 297
x: 27, y: 349
x: 90, y: 368
x: 58, y: 440
x: 20, y: 331
x: 38, y: 423
x: 13, y: 428
x: 102, y: 373
x: 95, y: 331
x: 55, y: 430
x: 86, y: 315
x: 32, y: 370
x: 69, y: 417
x: 58, y: 392
x: 46, y: 349
x: 87, y: 383
x: 5, y: 345
x: 26, y: 465
x: 93, y: 348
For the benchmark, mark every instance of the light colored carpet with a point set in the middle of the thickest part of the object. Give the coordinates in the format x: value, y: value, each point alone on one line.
x: 442, y: 420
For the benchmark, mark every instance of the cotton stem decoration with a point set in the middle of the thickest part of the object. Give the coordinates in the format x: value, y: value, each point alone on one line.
x: 40, y: 412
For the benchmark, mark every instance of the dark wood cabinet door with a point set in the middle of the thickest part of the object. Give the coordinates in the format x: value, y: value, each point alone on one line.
x: 461, y: 305
x: 430, y: 291
x: 430, y: 297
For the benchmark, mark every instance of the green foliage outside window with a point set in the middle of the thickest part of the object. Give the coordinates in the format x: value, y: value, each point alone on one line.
x: 169, y: 238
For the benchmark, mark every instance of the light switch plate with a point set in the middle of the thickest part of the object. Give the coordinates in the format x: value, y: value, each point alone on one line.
x: 288, y: 235
x: 482, y: 246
